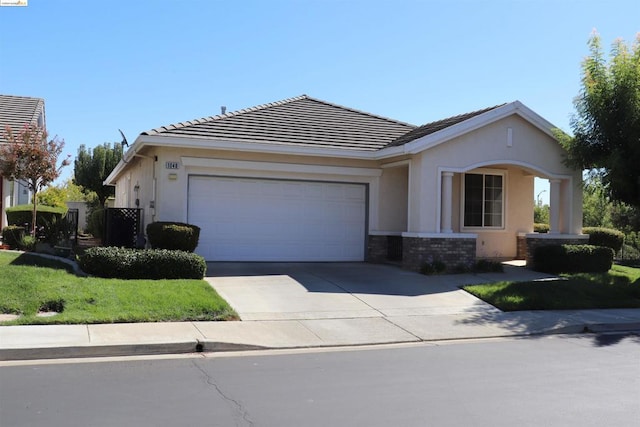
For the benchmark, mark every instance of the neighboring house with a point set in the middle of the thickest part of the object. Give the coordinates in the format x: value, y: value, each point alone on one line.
x: 307, y: 180
x: 16, y: 111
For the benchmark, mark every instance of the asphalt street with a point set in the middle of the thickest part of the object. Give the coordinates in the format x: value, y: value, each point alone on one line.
x: 590, y: 380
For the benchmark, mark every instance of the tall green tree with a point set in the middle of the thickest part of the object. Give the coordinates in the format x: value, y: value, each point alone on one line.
x: 92, y: 167
x: 606, y: 125
x: 31, y: 157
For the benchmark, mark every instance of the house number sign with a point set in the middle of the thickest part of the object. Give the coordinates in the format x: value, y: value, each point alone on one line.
x: 172, y: 165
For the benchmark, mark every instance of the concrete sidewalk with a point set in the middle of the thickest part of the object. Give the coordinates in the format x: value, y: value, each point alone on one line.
x: 318, y: 306
x: 69, y: 341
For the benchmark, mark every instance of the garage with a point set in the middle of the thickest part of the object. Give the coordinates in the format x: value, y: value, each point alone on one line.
x: 247, y: 219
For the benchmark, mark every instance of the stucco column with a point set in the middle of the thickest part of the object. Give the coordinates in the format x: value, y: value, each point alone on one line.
x: 554, y: 205
x: 447, y: 202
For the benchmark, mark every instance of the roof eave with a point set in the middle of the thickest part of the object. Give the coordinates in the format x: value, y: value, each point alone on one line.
x: 252, y: 147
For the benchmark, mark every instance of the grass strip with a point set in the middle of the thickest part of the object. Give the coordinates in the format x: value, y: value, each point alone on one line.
x: 618, y: 288
x: 26, y: 288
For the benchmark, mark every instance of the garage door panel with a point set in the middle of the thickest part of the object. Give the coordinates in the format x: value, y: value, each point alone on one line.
x: 244, y: 219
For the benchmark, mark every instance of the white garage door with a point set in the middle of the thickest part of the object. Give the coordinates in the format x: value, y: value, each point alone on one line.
x: 244, y: 219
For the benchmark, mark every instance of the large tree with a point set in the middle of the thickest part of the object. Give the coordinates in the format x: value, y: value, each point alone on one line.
x: 92, y: 167
x: 606, y: 125
x: 30, y: 157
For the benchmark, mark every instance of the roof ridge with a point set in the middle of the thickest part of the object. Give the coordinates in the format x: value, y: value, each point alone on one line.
x: 226, y: 115
x: 377, y: 116
x: 259, y: 107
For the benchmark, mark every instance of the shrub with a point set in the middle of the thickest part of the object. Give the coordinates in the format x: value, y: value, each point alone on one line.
x: 22, y: 214
x: 488, y: 266
x: 122, y: 263
x: 433, y: 267
x: 607, y: 237
x: 28, y: 243
x: 572, y: 259
x: 540, y: 228
x: 173, y: 235
x: 12, y: 235
x: 95, y: 223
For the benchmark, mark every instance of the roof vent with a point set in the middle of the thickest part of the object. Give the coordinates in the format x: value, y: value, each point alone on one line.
x: 223, y: 110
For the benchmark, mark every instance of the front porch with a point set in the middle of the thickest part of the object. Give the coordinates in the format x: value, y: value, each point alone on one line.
x: 478, y: 212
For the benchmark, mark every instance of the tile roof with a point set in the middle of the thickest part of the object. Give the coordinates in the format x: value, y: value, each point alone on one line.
x: 300, y: 121
x: 16, y: 111
x: 436, y: 126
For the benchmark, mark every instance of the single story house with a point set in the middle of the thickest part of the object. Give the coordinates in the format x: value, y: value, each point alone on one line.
x: 307, y: 180
x: 16, y: 111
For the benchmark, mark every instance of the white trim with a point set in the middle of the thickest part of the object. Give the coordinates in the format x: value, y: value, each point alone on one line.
x: 412, y: 147
x: 516, y: 107
x: 278, y: 167
x: 441, y: 235
x: 484, y: 171
x: 253, y: 147
x: 395, y: 164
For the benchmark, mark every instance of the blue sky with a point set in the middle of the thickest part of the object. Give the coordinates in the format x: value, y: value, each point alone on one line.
x: 137, y: 65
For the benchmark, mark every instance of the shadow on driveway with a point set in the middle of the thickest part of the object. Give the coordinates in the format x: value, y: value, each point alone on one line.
x: 346, y: 277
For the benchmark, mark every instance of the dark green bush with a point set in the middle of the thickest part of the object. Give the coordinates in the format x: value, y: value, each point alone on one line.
x: 125, y: 263
x: 22, y: 214
x: 540, y: 228
x: 95, y: 223
x: 12, y: 235
x: 173, y: 235
x: 488, y: 266
x: 607, y: 237
x: 433, y: 267
x: 572, y: 259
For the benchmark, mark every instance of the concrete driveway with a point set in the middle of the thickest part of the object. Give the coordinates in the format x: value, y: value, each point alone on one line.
x: 295, y: 291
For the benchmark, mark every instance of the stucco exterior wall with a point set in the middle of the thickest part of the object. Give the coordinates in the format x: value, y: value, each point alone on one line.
x: 393, y: 199
x: 171, y: 186
x: 518, y: 217
x: 528, y: 149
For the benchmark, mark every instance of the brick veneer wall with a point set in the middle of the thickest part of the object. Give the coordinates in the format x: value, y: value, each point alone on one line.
x: 521, y: 248
x: 377, y: 249
x: 533, y: 242
x: 452, y: 251
x: 384, y: 248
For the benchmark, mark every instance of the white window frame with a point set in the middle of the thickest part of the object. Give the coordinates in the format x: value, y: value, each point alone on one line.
x: 483, y: 172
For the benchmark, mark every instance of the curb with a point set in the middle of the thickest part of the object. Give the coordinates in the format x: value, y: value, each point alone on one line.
x: 77, y: 352
x: 197, y: 346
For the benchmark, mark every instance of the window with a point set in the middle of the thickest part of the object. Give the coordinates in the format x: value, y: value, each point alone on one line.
x: 483, y: 200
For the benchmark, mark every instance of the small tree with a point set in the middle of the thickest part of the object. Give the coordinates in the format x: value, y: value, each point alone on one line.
x: 28, y: 156
x: 92, y: 167
x: 607, y: 121
x: 59, y: 195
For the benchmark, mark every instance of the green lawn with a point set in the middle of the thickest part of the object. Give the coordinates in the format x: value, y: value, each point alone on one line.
x: 618, y: 288
x: 27, y: 289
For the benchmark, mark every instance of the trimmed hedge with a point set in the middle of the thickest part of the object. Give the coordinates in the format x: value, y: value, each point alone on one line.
x: 607, y: 237
x: 173, y: 235
x: 540, y: 227
x: 12, y: 235
x: 572, y: 259
x: 23, y: 214
x: 122, y: 263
